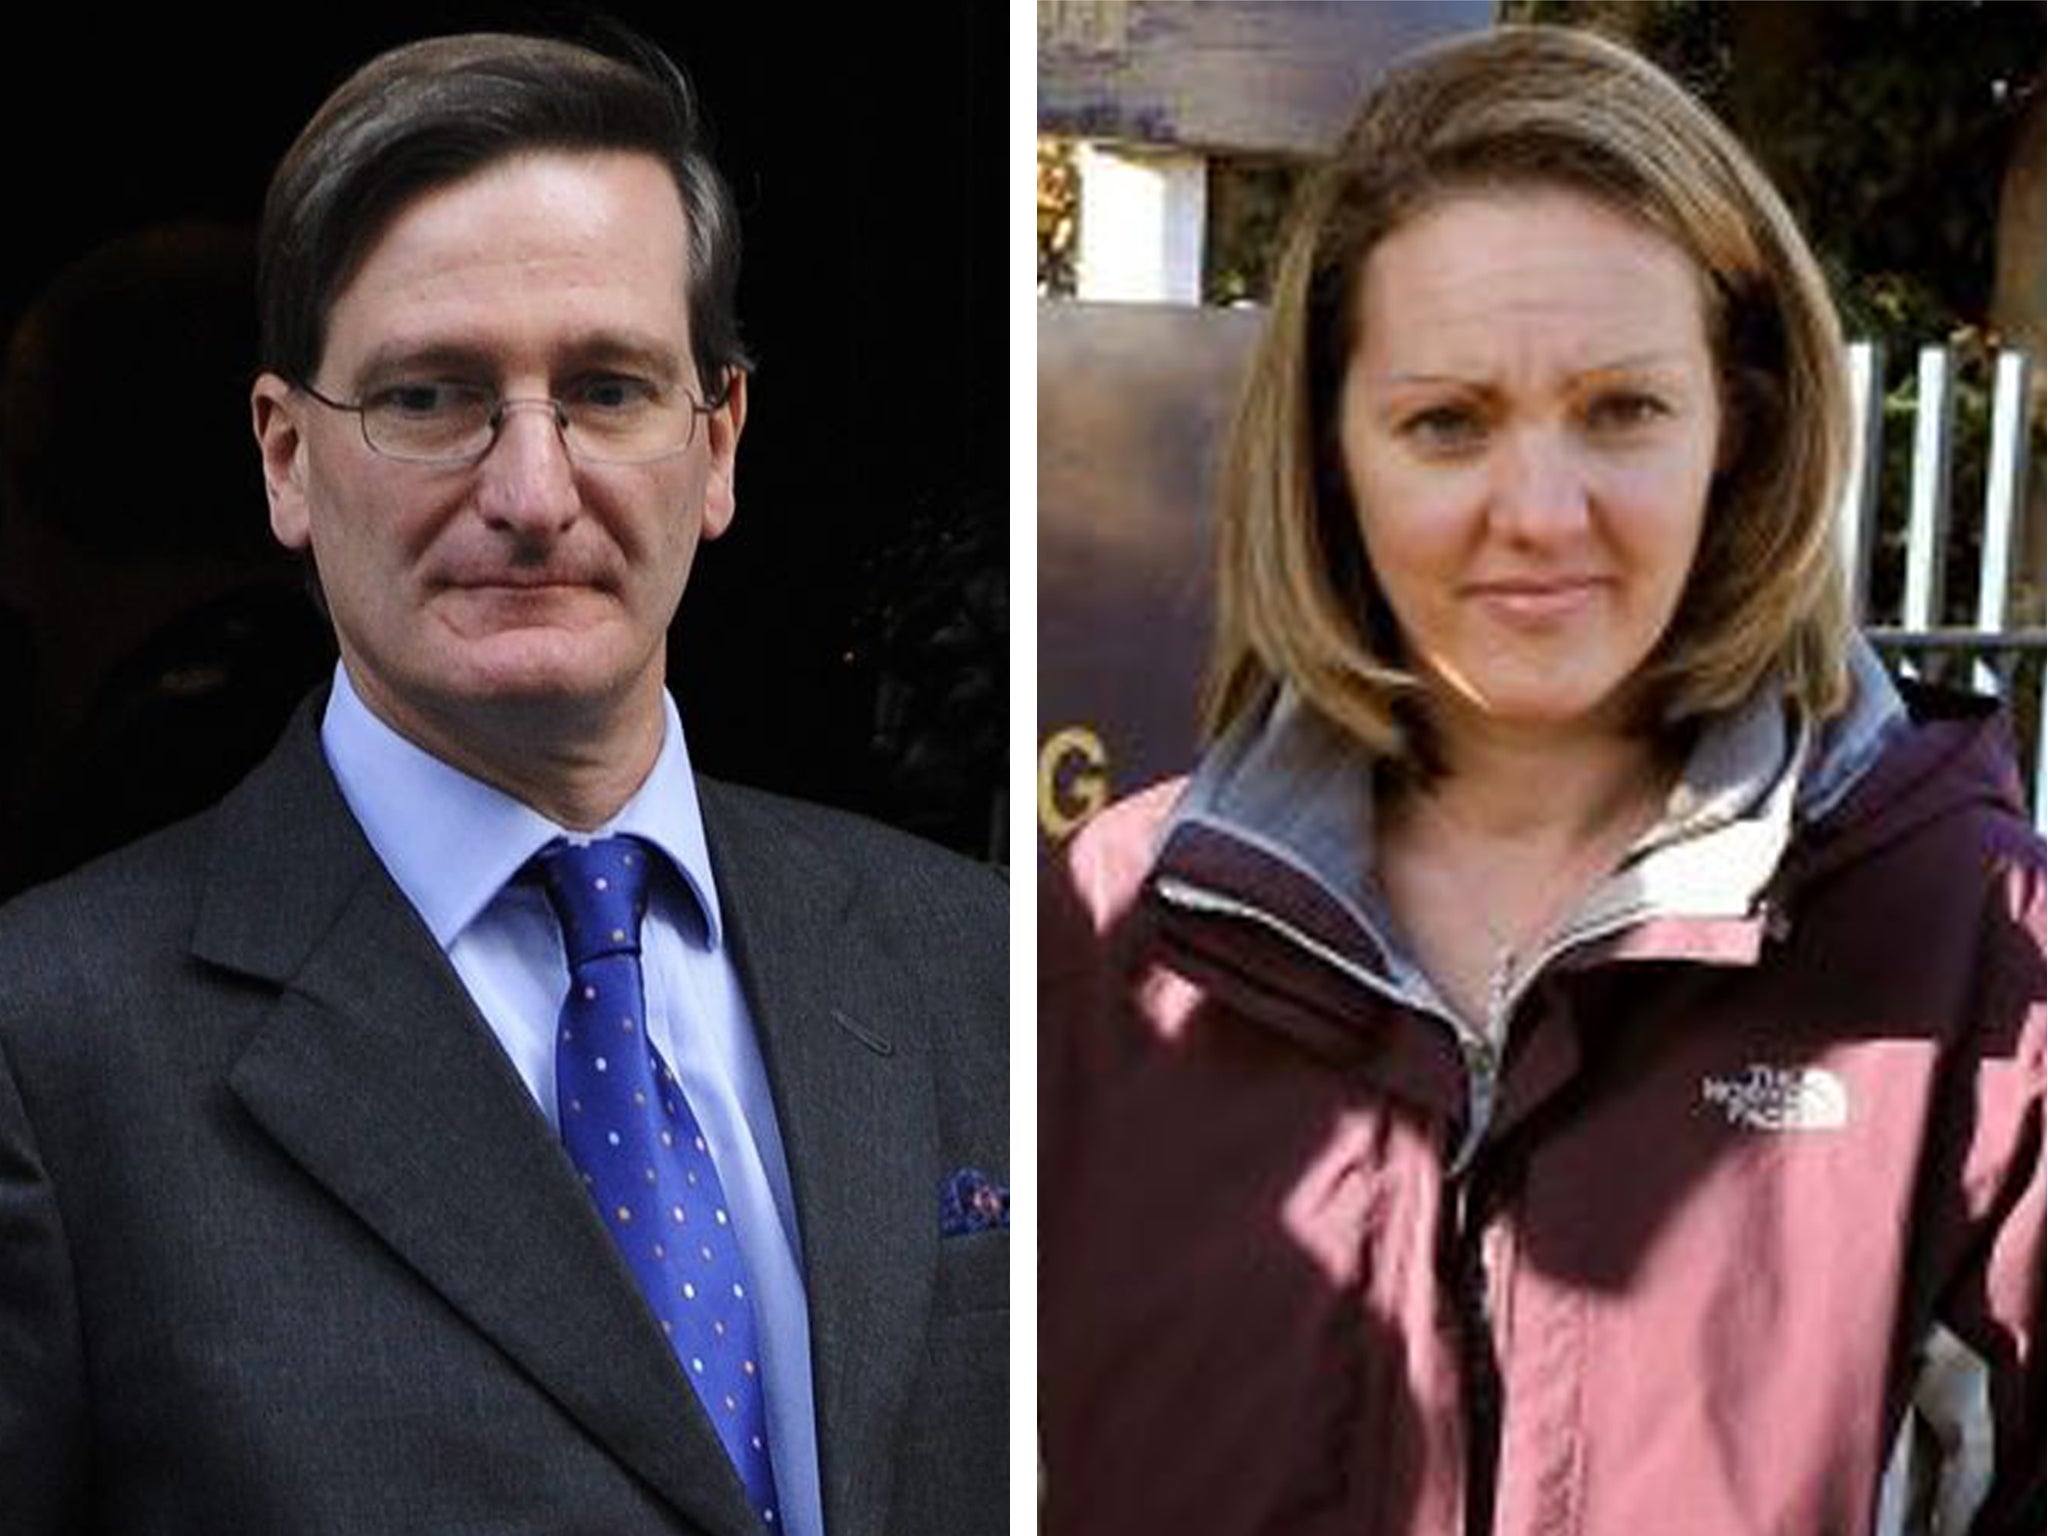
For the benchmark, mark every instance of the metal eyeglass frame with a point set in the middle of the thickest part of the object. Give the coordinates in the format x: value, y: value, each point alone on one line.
x: 496, y: 421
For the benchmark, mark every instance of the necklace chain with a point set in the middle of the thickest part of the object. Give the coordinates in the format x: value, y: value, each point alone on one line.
x: 1567, y: 878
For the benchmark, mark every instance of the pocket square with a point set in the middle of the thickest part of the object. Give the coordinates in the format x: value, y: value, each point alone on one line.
x: 970, y: 1201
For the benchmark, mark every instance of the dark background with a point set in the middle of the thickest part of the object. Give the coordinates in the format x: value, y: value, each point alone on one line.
x: 846, y: 640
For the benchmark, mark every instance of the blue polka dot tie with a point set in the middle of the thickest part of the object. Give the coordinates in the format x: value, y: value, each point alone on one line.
x: 629, y: 1130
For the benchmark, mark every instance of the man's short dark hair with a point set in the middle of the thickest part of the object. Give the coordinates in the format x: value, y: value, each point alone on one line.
x: 431, y: 113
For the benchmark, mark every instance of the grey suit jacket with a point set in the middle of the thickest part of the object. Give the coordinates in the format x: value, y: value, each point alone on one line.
x: 286, y: 1246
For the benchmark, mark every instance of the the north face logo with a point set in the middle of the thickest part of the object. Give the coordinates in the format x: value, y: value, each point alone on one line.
x: 1781, y: 1099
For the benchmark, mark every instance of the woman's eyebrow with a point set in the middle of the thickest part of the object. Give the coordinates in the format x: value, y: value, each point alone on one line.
x: 1634, y: 362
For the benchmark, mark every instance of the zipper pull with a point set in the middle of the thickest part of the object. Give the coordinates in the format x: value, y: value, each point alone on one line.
x: 1777, y: 920
x: 1482, y: 1071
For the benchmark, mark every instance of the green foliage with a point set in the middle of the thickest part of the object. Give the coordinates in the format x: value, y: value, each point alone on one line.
x: 1894, y: 152
x: 1970, y: 429
x: 1059, y: 216
x: 1886, y: 125
x: 1248, y: 202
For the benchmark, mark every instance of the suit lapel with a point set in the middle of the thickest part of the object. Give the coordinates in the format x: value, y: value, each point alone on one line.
x: 852, y: 1075
x: 377, y: 1077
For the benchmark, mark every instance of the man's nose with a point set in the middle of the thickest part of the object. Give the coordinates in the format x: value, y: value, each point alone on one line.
x: 1539, y: 491
x: 526, y: 481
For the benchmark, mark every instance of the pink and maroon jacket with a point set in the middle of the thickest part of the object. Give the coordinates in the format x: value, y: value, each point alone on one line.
x: 1739, y: 1230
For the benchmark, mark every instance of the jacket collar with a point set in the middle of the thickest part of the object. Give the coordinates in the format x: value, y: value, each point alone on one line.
x: 1852, y: 742
x: 1281, y: 810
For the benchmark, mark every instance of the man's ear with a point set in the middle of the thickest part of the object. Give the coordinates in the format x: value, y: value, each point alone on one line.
x: 722, y: 433
x: 274, y: 414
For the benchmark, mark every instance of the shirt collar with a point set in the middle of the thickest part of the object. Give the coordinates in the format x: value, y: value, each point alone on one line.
x: 452, y: 842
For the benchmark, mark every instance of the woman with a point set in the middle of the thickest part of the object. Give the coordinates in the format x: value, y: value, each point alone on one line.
x: 1569, y: 1059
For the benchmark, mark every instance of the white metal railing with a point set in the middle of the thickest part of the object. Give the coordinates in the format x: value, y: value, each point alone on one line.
x: 1998, y: 645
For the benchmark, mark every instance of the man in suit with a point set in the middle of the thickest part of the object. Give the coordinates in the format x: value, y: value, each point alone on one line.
x: 478, y: 1123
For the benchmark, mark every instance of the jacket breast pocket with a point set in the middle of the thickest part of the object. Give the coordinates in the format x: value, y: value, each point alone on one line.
x: 951, y: 1452
x: 973, y: 1273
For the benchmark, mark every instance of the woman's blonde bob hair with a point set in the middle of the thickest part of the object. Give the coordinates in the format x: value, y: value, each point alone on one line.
x: 1517, y: 108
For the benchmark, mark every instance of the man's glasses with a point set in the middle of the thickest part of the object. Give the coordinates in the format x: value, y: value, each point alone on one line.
x: 608, y: 419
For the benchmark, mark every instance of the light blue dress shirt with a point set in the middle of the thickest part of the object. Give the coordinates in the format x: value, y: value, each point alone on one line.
x: 453, y: 845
